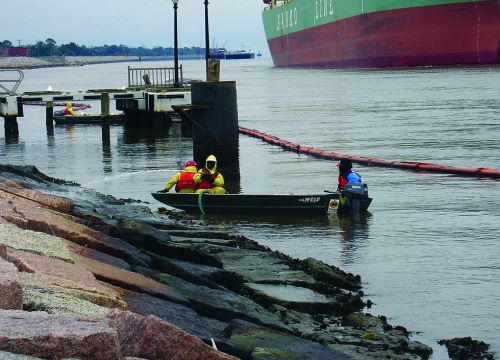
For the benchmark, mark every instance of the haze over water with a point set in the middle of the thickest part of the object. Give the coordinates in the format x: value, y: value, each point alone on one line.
x: 428, y: 255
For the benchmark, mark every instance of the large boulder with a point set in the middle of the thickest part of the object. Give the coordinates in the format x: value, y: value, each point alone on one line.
x: 152, y: 338
x: 11, y: 293
x: 35, y: 242
x: 48, y: 283
x: 130, y: 280
x: 58, y: 336
x: 33, y: 216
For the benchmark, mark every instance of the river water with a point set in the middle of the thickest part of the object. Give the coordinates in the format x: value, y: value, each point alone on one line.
x: 429, y: 253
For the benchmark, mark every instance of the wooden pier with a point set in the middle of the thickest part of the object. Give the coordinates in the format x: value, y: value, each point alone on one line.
x: 149, y: 96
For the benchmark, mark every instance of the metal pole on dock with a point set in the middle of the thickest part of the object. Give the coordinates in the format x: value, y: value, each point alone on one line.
x: 176, y: 47
x: 207, y: 43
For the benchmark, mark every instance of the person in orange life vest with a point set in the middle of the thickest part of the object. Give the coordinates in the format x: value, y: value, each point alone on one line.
x: 209, y: 179
x: 346, y: 175
x: 68, y: 110
x: 183, y: 180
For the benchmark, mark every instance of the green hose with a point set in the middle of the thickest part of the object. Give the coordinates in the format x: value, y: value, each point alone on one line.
x: 199, y: 204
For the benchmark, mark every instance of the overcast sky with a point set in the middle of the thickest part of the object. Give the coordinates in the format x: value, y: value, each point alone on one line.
x: 149, y: 23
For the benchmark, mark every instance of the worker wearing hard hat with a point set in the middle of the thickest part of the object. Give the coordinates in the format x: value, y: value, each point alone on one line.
x: 68, y: 110
x: 183, y: 180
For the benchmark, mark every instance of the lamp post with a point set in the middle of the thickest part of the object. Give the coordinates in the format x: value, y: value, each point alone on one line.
x: 207, y: 44
x: 176, y: 47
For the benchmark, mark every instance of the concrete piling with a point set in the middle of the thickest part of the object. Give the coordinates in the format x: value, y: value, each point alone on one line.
x: 215, y: 124
x: 11, y: 128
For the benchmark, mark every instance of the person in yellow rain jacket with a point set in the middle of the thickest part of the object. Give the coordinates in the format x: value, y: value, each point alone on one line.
x: 68, y: 110
x: 209, y: 179
x: 183, y: 180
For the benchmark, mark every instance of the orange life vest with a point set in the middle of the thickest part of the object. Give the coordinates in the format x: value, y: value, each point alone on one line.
x: 205, y: 184
x: 185, y: 181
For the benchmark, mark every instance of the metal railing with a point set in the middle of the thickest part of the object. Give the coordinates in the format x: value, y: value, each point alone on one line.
x: 153, y: 77
x: 5, y: 81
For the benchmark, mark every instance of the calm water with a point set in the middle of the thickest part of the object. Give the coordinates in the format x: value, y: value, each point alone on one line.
x: 428, y: 255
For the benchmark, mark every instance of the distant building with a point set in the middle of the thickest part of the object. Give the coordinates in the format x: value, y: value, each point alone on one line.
x: 16, y: 51
x: 4, y: 51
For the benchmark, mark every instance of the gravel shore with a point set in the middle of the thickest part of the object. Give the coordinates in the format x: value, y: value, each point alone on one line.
x: 31, y: 62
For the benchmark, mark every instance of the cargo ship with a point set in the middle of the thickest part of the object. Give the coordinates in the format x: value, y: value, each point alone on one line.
x: 382, y: 33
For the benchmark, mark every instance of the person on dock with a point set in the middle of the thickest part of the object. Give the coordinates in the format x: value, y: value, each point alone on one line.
x: 209, y: 179
x: 68, y: 110
x: 346, y: 175
x: 183, y: 180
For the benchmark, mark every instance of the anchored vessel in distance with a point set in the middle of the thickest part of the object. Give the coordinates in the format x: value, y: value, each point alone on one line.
x: 223, y: 54
x: 382, y: 33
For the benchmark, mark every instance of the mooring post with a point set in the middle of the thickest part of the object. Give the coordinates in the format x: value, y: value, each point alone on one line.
x: 105, y: 105
x: 215, y: 125
x: 49, y: 112
x: 11, y: 127
x: 49, y: 118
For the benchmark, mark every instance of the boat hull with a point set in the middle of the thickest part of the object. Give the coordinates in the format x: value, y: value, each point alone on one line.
x: 88, y: 120
x: 465, y: 33
x: 247, y: 204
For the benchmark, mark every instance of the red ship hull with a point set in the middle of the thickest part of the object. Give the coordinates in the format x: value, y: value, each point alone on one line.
x: 453, y: 34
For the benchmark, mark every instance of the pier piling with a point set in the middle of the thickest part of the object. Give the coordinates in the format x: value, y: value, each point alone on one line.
x: 215, y: 124
x: 105, y: 105
x: 11, y: 127
x: 49, y: 113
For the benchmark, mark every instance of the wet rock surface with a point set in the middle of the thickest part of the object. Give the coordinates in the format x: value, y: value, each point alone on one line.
x: 467, y: 348
x: 254, y: 303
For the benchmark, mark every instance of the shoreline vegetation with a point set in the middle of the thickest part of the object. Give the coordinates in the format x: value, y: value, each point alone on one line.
x: 23, y: 62
x: 86, y: 275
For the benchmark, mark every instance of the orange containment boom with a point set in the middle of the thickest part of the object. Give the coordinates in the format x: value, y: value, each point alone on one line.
x: 405, y: 165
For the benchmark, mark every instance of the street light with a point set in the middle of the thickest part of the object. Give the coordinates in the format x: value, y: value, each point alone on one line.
x: 207, y: 45
x: 176, y: 47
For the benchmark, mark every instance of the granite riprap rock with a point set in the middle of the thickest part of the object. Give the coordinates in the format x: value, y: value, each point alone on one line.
x: 49, y: 299
x: 58, y: 336
x: 11, y: 292
x: 219, y: 304
x: 152, y: 338
x: 263, y: 343
x: 29, y: 215
x: 48, y: 276
x: 24, y: 190
x: 97, y: 255
x: 35, y: 242
x: 180, y: 315
x: 130, y: 280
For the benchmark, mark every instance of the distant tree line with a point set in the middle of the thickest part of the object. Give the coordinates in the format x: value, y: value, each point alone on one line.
x: 49, y: 47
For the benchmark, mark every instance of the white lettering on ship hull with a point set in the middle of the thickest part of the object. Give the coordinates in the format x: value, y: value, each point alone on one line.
x: 323, y: 8
x: 287, y: 19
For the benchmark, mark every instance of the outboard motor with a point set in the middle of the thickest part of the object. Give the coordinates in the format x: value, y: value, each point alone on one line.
x: 356, y: 196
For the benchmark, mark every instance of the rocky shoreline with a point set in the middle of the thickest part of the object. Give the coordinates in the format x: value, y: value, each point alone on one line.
x: 33, y: 63
x: 85, y: 275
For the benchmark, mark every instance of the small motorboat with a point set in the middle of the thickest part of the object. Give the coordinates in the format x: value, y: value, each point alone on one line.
x: 60, y: 118
x: 349, y: 200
